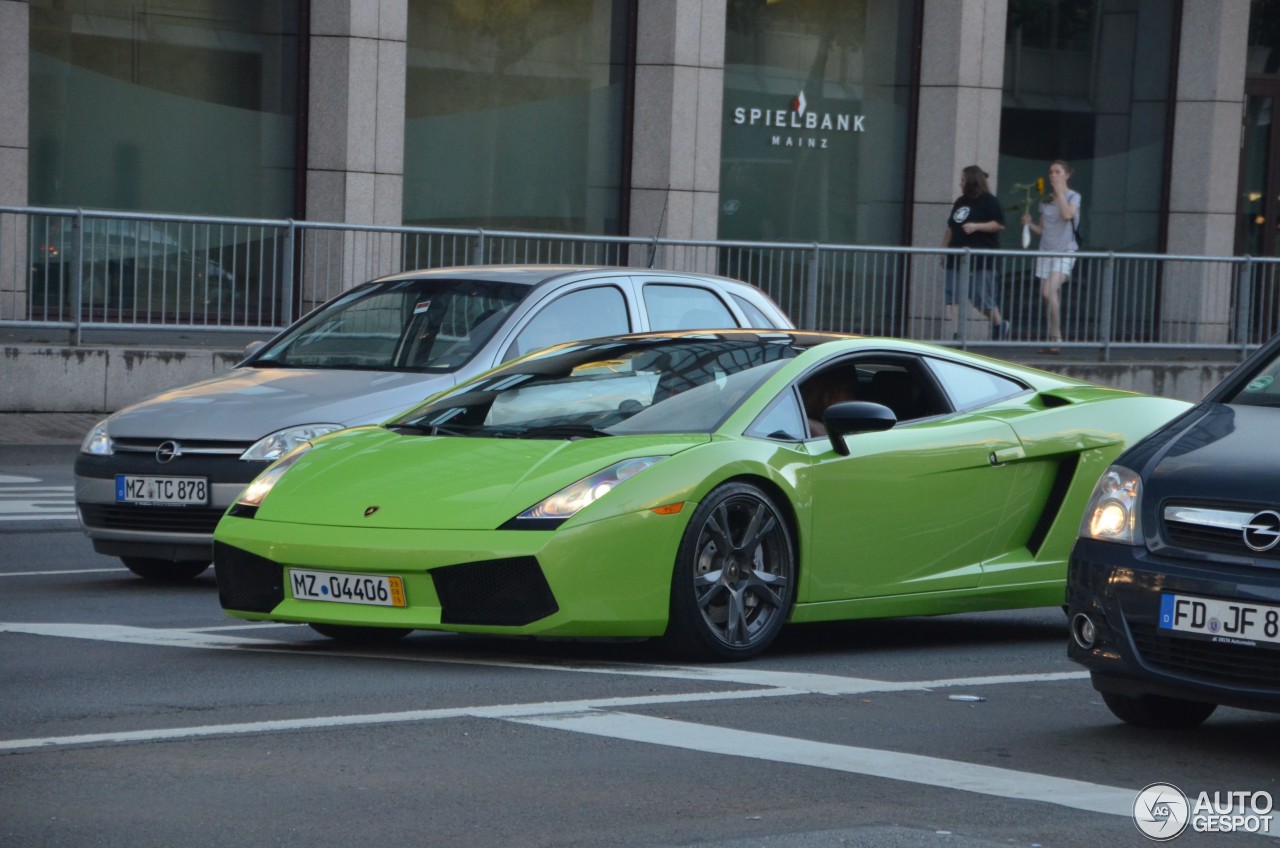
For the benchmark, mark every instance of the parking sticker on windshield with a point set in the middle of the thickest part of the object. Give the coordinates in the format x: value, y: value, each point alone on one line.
x: 1260, y: 383
x: 422, y: 307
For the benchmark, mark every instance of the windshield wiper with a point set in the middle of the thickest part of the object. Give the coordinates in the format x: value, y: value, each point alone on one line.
x: 432, y: 429
x: 555, y: 431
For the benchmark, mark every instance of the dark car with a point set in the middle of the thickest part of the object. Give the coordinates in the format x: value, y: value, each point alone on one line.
x: 1174, y: 584
x: 154, y: 478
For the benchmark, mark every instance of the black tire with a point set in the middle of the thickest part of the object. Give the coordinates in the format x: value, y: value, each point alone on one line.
x: 1158, y: 711
x: 351, y: 634
x: 163, y: 570
x: 734, y: 579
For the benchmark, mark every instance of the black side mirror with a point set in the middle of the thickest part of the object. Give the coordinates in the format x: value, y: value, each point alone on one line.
x: 855, y: 416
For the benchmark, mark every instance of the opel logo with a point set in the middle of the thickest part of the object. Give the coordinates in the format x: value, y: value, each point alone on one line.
x: 1262, y: 533
x: 370, y: 510
x: 167, y: 451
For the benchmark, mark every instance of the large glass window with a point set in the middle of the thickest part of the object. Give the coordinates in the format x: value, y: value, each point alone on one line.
x: 1088, y: 81
x: 181, y: 106
x: 817, y: 98
x: 513, y: 114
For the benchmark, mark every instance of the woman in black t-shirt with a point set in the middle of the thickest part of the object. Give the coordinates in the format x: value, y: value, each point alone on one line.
x: 976, y: 222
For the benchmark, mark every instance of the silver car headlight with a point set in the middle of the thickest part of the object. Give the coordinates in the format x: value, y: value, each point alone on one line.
x: 98, y: 443
x: 279, y: 443
x: 1113, y: 513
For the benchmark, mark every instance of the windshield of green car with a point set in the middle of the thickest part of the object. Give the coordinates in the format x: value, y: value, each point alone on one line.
x: 623, y: 387
x: 408, y: 325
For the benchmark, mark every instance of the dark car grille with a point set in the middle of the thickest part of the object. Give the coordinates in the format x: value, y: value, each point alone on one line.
x: 161, y: 519
x: 1237, y: 665
x: 247, y: 582
x: 1214, y: 540
x: 497, y: 591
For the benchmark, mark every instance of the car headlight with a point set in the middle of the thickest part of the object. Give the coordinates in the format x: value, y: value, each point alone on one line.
x: 252, y: 496
x: 98, y: 443
x: 568, y: 501
x: 1114, y: 508
x: 279, y: 443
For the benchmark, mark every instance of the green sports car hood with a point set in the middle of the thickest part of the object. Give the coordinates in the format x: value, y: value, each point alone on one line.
x: 442, y: 482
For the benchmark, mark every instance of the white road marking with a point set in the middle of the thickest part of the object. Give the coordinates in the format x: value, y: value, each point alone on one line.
x: 892, y: 765
x: 66, y: 571
x: 818, y: 684
x: 504, y: 711
x: 35, y: 503
x: 605, y: 717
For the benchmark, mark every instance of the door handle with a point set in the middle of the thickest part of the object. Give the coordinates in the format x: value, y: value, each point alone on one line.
x: 1003, y: 455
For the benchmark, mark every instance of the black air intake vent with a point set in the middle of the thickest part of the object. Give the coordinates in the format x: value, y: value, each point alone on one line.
x: 509, y: 592
x: 247, y: 582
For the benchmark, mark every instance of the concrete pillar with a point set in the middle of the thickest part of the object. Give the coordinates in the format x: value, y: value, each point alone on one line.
x: 355, y: 130
x: 15, y: 61
x: 961, y: 87
x: 679, y: 96
x: 1205, y: 167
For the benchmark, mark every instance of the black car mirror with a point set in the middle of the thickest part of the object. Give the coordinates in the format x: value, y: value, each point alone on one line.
x: 855, y: 416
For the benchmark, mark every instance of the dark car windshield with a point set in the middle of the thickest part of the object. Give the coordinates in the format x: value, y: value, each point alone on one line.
x: 1263, y: 389
x: 669, y: 385
x: 409, y: 325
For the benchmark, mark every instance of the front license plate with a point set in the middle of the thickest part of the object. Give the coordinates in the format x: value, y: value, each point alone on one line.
x: 1222, y: 621
x: 377, y: 589
x: 165, y: 491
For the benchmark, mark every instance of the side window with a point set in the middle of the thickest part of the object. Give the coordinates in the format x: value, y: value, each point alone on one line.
x: 755, y: 318
x: 674, y: 307
x: 585, y: 313
x: 972, y: 387
x: 781, y: 420
x: 821, y: 390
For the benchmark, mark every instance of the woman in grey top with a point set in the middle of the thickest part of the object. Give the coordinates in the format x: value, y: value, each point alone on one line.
x: 1059, y: 219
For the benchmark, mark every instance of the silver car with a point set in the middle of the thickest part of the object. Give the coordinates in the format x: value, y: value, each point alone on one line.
x: 154, y: 478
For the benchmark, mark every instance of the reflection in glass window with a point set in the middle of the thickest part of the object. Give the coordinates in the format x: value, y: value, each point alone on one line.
x: 972, y: 387
x: 184, y: 106
x: 598, y: 311
x: 1088, y: 81
x: 685, y: 308
x: 513, y: 114
x: 816, y: 102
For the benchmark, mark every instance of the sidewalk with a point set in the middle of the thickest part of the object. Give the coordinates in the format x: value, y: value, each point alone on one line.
x: 46, y: 428
x: 43, y: 438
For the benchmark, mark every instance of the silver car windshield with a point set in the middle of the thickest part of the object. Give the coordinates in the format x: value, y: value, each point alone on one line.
x: 624, y: 387
x: 408, y: 325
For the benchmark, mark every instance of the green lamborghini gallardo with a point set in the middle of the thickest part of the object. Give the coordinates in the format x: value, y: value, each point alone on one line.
x: 703, y: 487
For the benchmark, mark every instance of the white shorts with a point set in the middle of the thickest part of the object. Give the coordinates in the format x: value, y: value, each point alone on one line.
x: 1047, y: 265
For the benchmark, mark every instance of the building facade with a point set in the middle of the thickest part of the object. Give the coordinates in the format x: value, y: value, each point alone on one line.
x: 839, y: 121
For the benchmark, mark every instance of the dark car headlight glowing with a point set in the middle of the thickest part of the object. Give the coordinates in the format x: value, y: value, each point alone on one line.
x: 1114, y: 507
x: 573, y: 498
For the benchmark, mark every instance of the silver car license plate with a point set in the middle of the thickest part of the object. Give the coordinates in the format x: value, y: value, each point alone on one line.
x: 162, y: 491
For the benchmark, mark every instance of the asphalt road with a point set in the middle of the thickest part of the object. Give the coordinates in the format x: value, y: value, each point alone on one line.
x: 136, y: 715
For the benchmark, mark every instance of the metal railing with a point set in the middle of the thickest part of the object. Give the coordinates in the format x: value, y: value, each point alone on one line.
x: 77, y: 269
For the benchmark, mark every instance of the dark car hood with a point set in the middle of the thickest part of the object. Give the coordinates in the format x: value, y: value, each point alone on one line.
x: 1219, y: 453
